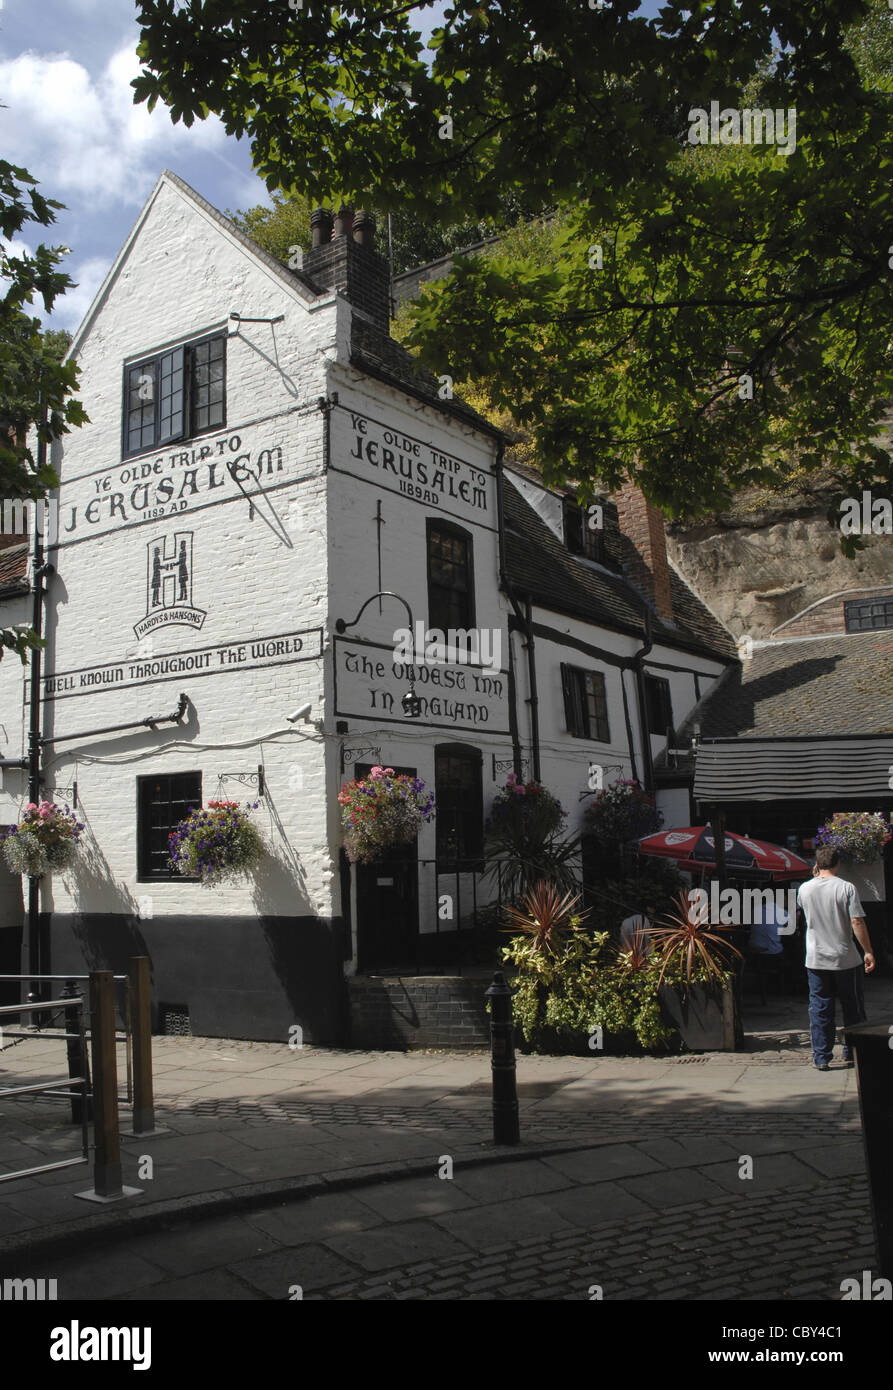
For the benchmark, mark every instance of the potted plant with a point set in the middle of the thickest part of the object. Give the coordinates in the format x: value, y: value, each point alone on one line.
x: 696, y: 980
x: 44, y: 840
x: 218, y: 844
x: 381, y: 811
x: 523, y: 844
x: 859, y: 837
x: 553, y: 959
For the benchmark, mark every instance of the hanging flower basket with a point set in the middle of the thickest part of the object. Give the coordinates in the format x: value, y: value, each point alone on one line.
x: 622, y: 812
x: 218, y: 844
x: 381, y: 811
x: 45, y: 840
x: 858, y: 836
x: 524, y: 809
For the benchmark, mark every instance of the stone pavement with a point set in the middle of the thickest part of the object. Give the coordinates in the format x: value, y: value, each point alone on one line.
x: 324, y: 1171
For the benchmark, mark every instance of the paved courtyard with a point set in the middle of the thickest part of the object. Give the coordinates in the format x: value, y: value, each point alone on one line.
x: 325, y: 1174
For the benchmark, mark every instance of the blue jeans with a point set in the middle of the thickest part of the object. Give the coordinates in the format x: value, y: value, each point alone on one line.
x: 824, y: 987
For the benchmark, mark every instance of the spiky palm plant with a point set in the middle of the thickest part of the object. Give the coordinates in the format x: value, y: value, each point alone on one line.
x: 685, y: 944
x: 637, y: 955
x: 545, y: 915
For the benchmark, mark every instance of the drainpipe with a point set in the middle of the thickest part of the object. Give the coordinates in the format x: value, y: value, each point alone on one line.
x: 534, y: 698
x: 638, y: 667
x: 38, y: 942
x: 506, y: 589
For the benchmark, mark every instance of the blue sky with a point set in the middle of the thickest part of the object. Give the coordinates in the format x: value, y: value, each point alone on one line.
x: 65, y: 70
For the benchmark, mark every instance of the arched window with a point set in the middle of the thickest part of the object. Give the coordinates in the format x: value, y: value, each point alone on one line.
x: 458, y: 794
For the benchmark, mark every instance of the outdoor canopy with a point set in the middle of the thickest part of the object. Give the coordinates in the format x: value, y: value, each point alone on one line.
x: 693, y: 847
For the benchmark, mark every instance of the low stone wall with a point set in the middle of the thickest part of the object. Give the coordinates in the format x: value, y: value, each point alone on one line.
x: 396, y: 1013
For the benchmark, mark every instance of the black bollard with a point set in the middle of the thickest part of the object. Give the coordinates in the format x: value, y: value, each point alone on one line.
x: 77, y: 1059
x: 872, y: 1047
x: 506, y: 1124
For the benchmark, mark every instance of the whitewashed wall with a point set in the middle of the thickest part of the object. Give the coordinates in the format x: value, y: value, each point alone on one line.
x: 258, y: 579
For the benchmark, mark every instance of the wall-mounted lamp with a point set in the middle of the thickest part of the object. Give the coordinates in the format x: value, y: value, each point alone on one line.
x: 412, y: 705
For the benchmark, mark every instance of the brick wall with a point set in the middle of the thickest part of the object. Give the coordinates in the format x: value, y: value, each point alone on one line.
x: 644, y: 526
x: 355, y: 271
x: 828, y: 617
x: 396, y: 1013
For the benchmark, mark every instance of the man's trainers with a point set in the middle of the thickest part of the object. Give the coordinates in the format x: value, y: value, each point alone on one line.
x: 822, y: 1066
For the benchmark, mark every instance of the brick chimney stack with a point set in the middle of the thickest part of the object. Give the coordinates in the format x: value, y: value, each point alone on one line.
x: 343, y: 257
x: 643, y: 525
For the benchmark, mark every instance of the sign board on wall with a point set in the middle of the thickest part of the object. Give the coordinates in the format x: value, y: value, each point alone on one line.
x: 252, y: 466
x: 399, y: 462
x: 370, y: 684
x: 243, y: 654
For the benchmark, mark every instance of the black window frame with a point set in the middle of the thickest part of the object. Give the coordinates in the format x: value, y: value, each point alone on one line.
x: 851, y: 606
x: 579, y: 716
x: 152, y: 364
x: 579, y: 536
x: 658, y: 704
x: 435, y: 617
x: 144, y: 848
x: 468, y: 807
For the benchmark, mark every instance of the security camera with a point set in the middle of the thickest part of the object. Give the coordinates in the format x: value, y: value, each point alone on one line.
x: 303, y: 712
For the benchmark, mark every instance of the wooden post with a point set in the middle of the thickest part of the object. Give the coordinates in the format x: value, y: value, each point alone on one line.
x: 141, y: 1034
x: 107, y: 1161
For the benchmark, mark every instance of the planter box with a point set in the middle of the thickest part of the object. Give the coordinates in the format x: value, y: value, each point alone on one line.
x: 868, y: 878
x: 706, y: 1020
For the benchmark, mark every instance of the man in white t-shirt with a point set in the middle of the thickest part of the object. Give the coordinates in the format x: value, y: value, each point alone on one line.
x: 834, y: 915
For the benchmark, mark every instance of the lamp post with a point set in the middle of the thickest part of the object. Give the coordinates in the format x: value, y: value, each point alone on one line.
x: 412, y: 705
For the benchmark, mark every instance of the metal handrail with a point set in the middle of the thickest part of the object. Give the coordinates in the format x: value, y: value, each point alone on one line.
x: 52, y: 1087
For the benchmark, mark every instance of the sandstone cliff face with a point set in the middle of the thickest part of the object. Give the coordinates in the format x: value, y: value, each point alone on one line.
x: 756, y: 574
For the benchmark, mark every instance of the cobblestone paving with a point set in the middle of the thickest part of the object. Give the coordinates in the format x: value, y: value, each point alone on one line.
x: 695, y: 1252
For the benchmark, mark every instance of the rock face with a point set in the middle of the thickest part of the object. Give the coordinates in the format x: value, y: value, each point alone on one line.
x: 756, y: 575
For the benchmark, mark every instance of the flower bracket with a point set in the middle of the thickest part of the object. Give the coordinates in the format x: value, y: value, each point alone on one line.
x: 247, y: 779
x: 353, y: 755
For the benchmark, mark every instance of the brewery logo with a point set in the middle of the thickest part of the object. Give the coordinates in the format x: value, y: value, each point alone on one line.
x: 169, y: 585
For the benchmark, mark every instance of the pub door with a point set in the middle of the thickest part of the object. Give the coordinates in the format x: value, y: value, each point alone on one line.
x: 388, y: 904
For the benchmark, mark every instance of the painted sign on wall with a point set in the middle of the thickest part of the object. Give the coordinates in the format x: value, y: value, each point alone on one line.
x: 400, y: 462
x: 370, y: 684
x: 223, y: 469
x: 242, y: 654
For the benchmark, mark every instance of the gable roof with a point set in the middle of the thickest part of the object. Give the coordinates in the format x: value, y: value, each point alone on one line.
x: 807, y: 686
x: 538, y: 564
x: 296, y: 281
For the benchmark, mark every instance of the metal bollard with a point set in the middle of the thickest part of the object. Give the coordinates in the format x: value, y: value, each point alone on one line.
x: 872, y: 1047
x: 506, y: 1124
x: 78, y: 1062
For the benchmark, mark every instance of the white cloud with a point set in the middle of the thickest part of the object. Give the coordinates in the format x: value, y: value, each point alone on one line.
x: 80, y: 134
x: 71, y: 307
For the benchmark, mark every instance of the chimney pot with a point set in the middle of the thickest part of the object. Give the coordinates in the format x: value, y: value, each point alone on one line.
x: 320, y: 226
x: 364, y: 230
x: 343, y: 222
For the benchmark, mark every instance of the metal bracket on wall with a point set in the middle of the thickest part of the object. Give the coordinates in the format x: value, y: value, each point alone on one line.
x: 247, y: 779
x: 353, y: 755
x: 70, y: 794
x: 507, y: 765
x: 593, y: 791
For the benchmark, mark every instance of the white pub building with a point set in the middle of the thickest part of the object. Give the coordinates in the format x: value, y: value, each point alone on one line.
x: 266, y: 493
